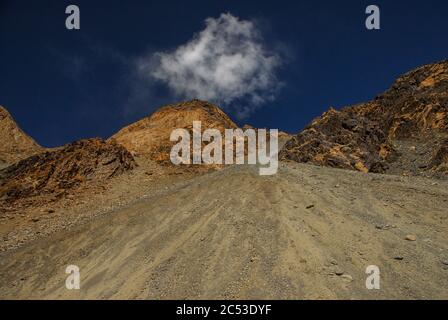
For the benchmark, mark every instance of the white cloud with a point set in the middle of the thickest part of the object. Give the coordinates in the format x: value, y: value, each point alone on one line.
x: 225, y: 63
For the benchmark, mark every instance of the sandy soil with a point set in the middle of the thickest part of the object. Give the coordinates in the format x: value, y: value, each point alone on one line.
x: 306, y: 233
x: 22, y: 224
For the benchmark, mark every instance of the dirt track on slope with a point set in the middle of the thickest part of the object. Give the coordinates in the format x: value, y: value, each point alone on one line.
x: 306, y: 233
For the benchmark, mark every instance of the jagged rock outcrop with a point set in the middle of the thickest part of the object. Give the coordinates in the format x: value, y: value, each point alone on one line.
x: 151, y: 135
x: 50, y: 175
x: 439, y: 158
x: 402, y: 131
x: 15, y: 144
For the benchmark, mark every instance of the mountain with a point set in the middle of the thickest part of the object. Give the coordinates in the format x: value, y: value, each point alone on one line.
x: 61, y: 172
x: 15, y: 144
x: 402, y: 131
x: 151, y: 135
x: 141, y: 230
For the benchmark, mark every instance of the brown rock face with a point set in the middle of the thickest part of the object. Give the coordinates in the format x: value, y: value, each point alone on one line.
x: 53, y: 174
x: 402, y: 131
x: 15, y: 144
x: 151, y: 135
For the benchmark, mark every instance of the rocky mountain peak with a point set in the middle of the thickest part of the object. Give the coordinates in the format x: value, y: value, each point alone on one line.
x: 150, y: 135
x: 15, y: 143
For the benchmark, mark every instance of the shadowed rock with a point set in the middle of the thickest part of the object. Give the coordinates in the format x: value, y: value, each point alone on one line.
x: 402, y: 131
x: 50, y: 175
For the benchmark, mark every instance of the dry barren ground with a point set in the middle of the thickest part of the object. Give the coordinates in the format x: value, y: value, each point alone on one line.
x: 306, y: 233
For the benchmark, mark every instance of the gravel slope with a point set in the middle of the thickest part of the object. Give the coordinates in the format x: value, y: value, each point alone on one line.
x: 306, y: 233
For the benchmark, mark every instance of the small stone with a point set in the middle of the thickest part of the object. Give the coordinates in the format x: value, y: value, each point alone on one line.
x: 339, y: 273
x: 399, y: 258
x: 310, y: 206
x: 411, y: 237
x: 347, y: 277
x: 445, y: 262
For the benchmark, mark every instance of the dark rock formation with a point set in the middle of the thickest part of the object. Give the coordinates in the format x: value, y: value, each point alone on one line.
x: 402, y: 131
x: 53, y: 174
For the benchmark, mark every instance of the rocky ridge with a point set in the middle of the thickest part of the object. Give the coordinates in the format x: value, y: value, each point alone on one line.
x: 52, y: 175
x: 15, y: 143
x: 402, y: 131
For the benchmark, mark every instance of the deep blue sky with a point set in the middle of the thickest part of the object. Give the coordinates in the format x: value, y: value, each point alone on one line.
x: 63, y: 85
